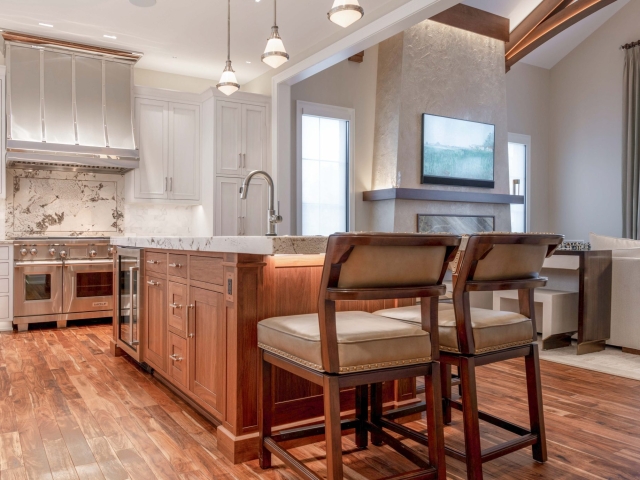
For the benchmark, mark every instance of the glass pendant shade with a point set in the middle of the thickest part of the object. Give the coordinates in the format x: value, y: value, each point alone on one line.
x: 274, y: 54
x: 228, y: 82
x: 345, y: 12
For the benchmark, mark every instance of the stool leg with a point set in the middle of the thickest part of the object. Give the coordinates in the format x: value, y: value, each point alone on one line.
x: 376, y: 411
x: 333, y: 431
x: 433, y: 399
x: 445, y: 381
x: 362, y: 414
x: 536, y: 413
x: 473, y: 451
x: 265, y: 409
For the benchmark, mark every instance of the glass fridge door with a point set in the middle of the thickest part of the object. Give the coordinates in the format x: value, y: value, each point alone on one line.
x: 128, y: 289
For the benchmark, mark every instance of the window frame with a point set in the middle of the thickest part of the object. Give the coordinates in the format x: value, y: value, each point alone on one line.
x: 327, y: 111
x: 526, y: 141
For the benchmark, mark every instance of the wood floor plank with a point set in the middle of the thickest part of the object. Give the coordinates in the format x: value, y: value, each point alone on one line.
x: 74, y: 439
x: 10, y: 451
x: 60, y: 462
x: 91, y: 471
x: 34, y: 455
x: 109, y: 463
x: 135, y: 465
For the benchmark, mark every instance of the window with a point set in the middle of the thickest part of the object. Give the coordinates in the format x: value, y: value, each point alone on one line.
x: 325, y: 153
x: 519, y: 147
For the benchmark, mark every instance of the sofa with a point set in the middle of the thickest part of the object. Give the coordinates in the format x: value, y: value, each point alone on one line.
x: 625, y: 301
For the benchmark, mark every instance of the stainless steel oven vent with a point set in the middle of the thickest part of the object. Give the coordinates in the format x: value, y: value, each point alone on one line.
x: 69, y: 106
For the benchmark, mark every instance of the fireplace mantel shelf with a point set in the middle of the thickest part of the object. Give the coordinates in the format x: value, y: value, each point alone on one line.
x: 440, y: 196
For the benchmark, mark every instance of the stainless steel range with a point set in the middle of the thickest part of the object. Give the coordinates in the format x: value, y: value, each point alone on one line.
x: 60, y: 279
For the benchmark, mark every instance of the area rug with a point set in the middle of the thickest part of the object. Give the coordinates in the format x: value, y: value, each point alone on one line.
x: 611, y: 360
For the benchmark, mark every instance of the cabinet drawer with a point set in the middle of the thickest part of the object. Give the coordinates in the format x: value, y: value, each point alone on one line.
x: 177, y: 265
x: 178, y: 310
x: 156, y: 262
x: 178, y: 359
x: 4, y: 252
x: 4, y: 269
x: 4, y: 285
x: 206, y: 269
x: 4, y: 307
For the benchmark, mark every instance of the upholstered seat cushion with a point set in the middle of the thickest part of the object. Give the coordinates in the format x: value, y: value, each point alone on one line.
x: 492, y: 330
x: 365, y: 341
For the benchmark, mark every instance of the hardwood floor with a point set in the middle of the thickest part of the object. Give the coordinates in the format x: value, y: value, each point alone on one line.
x: 70, y: 410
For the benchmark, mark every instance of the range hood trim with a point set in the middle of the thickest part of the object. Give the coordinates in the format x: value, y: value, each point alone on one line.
x: 22, y: 145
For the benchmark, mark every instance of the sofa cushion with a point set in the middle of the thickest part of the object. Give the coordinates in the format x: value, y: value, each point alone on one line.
x: 365, y: 341
x: 602, y: 242
x: 492, y: 330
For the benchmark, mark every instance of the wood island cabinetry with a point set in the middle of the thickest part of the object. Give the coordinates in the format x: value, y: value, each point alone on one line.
x: 200, y: 316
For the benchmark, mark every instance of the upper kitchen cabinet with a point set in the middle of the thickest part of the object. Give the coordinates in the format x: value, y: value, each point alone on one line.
x: 242, y: 138
x: 169, y: 143
x: 3, y: 129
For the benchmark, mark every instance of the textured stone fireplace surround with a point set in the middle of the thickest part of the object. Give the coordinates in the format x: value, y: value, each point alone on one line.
x: 436, y: 69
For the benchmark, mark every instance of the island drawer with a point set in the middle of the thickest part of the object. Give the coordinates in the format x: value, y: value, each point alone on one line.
x: 206, y: 269
x: 178, y: 357
x: 178, y: 265
x: 156, y: 262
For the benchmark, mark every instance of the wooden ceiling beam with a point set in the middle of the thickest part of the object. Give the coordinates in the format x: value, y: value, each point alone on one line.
x: 544, y: 10
x: 552, y: 26
x: 475, y: 20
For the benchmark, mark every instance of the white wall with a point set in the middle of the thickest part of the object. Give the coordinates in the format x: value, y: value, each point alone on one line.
x: 585, y: 162
x: 528, y: 109
x: 351, y: 85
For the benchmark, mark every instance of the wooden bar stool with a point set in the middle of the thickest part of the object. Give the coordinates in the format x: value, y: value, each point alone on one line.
x: 357, y: 349
x: 471, y: 337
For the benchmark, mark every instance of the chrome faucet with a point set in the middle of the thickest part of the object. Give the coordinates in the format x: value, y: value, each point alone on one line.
x: 273, y: 218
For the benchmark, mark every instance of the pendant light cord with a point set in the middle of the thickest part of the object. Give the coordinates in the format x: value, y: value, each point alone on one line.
x: 229, y: 31
x: 275, y: 23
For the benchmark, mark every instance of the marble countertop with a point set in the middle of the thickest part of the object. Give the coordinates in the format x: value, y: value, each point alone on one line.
x: 257, y: 245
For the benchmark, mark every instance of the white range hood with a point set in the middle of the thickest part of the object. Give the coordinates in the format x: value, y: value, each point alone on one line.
x: 69, y: 106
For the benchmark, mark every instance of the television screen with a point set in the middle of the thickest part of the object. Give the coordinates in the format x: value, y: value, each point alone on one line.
x: 457, y: 152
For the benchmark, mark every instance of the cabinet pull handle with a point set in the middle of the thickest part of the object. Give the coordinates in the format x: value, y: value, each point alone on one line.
x: 240, y: 160
x: 165, y: 183
x: 175, y: 265
x: 152, y: 283
x: 171, y: 184
x: 244, y: 160
x: 191, y: 335
x: 153, y: 262
x: 175, y: 305
x: 175, y: 358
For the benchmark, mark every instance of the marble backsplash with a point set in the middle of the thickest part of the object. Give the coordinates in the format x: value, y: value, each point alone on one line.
x: 47, y: 203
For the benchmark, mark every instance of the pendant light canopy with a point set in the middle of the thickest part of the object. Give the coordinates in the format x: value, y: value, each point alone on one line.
x: 345, y: 12
x: 274, y: 54
x: 228, y: 83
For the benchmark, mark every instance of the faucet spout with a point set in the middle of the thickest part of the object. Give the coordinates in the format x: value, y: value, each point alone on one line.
x: 273, y: 218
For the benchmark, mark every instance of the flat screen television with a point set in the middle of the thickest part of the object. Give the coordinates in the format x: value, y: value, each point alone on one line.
x: 457, y: 152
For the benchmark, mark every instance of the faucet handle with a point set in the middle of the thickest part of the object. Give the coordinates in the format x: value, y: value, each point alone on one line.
x: 276, y: 218
x: 241, y: 189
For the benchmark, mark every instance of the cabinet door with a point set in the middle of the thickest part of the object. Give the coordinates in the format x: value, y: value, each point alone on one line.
x: 254, y: 209
x: 228, y: 206
x: 228, y: 137
x: 155, y: 341
x: 184, y: 151
x: 254, y: 138
x: 153, y: 136
x: 207, y: 347
x: 179, y: 366
x: 177, y: 308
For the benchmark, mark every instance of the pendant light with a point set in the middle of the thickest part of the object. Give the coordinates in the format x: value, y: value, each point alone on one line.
x: 345, y: 12
x: 274, y: 54
x: 228, y: 82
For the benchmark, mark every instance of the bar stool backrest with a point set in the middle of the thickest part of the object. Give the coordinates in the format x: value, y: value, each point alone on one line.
x: 376, y: 266
x: 498, y: 261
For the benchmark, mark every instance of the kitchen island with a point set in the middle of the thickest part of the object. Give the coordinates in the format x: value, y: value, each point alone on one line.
x: 200, y: 306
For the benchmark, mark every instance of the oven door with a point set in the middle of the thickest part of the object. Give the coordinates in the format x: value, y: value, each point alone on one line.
x: 88, y: 286
x: 37, y: 288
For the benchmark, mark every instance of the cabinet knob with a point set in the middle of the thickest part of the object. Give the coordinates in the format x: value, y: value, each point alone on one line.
x: 152, y: 283
x: 153, y: 262
x: 175, y: 305
x: 175, y: 265
x: 175, y: 358
x: 191, y: 335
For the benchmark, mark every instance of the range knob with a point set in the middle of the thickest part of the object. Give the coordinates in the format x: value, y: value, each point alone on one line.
x: 92, y: 253
x: 33, y: 251
x: 63, y: 254
x: 52, y: 251
x: 111, y: 250
x: 23, y: 252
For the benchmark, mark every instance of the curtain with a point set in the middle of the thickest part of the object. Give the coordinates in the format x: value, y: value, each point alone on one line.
x: 631, y: 145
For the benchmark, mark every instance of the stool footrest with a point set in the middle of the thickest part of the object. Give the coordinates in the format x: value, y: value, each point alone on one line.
x: 311, y: 431
x: 497, y: 421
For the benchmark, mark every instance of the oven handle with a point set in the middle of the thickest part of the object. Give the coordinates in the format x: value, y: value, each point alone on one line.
x: 106, y: 261
x: 133, y: 309
x: 38, y: 264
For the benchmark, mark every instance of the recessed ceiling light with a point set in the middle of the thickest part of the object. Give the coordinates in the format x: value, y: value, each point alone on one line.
x: 248, y: 60
x: 110, y: 36
x: 143, y: 3
x: 46, y: 25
